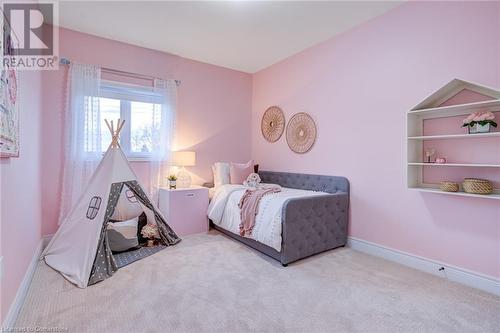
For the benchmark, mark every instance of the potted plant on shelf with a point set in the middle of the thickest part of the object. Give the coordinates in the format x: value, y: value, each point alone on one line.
x: 172, y: 182
x: 479, y: 122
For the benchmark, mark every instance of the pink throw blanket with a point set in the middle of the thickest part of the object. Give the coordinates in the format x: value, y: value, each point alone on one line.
x: 249, y: 207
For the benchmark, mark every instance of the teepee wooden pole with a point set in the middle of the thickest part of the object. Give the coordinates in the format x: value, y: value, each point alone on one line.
x: 120, y: 126
x: 109, y: 126
x: 115, y: 142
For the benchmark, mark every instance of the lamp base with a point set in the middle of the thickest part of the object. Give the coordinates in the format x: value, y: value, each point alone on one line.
x: 183, y: 178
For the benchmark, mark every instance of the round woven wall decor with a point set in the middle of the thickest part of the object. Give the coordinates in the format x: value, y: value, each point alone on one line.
x: 273, y: 124
x: 301, y: 133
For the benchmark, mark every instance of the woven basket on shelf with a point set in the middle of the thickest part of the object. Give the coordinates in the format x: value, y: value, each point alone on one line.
x: 477, y: 186
x: 449, y: 186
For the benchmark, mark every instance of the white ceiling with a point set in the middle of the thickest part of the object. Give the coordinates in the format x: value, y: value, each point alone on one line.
x: 242, y: 35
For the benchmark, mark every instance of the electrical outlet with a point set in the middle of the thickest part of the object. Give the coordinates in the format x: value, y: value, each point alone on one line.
x: 442, y: 271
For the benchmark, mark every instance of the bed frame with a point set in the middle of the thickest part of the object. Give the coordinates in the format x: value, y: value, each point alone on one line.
x: 310, y: 225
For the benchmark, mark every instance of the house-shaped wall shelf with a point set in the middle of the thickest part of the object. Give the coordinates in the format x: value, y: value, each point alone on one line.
x: 436, y: 121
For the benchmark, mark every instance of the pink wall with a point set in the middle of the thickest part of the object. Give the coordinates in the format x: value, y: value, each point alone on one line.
x: 214, y: 104
x: 358, y: 87
x: 20, y: 220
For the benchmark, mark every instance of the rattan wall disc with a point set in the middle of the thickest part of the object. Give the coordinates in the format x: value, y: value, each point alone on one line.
x: 301, y: 133
x: 273, y: 124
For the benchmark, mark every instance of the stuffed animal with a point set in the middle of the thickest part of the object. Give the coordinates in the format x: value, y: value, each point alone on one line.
x: 253, y: 180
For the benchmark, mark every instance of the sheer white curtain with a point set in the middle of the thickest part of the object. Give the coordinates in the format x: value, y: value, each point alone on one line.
x: 163, y: 134
x: 82, y: 133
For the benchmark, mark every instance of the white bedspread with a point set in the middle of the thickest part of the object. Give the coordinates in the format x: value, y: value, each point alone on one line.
x: 224, y: 212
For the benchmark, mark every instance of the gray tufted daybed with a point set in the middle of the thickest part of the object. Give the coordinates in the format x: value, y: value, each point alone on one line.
x: 310, y: 225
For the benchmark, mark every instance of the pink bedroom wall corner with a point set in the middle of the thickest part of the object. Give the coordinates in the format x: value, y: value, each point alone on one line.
x: 358, y: 87
x: 20, y: 220
x: 207, y: 94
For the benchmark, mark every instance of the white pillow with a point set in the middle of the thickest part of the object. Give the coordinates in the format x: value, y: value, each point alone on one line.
x: 123, y: 235
x: 221, y: 172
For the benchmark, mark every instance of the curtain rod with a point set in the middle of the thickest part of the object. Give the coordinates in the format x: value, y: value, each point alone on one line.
x: 65, y: 61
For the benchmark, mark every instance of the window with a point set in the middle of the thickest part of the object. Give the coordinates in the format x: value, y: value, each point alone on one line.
x: 130, y: 196
x: 93, y: 209
x: 140, y: 107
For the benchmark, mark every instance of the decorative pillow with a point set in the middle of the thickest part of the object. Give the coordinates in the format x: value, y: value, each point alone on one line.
x: 123, y: 235
x: 221, y: 173
x: 240, y: 172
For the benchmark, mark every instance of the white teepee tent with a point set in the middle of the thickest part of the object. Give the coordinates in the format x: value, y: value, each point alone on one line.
x: 80, y: 250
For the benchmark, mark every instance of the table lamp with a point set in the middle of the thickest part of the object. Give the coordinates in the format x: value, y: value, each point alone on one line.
x: 184, y: 159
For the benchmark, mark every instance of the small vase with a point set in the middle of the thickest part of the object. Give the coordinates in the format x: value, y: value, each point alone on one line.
x: 172, y: 184
x: 477, y: 128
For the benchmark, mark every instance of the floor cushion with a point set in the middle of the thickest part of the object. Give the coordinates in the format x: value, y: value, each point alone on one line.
x: 122, y: 235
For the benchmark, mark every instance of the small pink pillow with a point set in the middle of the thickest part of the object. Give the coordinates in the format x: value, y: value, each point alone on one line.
x: 240, y: 172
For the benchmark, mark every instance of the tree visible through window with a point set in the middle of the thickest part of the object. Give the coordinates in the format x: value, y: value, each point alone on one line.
x: 144, y: 126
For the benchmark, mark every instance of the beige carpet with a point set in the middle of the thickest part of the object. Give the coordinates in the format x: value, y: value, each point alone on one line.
x: 209, y: 283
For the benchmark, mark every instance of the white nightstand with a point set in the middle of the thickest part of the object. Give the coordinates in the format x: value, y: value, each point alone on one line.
x: 185, y: 209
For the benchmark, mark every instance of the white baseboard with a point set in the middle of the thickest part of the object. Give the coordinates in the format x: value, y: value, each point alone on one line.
x: 22, y: 291
x: 450, y: 272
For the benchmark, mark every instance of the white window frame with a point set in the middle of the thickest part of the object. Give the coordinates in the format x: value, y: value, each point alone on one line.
x: 126, y: 114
